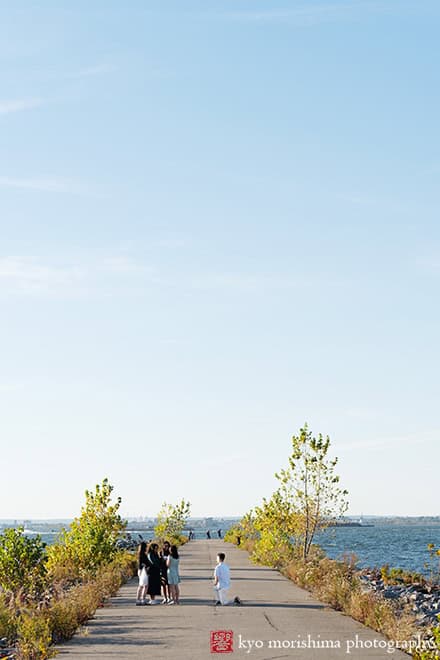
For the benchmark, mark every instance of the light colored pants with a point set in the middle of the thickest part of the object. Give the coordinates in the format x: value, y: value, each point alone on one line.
x: 221, y: 595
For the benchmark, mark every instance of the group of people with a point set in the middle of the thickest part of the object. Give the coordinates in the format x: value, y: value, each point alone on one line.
x: 158, y: 573
x: 192, y: 536
x: 219, y: 534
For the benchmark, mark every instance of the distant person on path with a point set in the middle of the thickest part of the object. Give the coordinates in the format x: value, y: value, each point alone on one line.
x: 143, y: 567
x: 173, y: 575
x: 222, y: 582
x: 154, y: 573
x: 163, y: 572
x: 219, y: 533
x: 208, y: 534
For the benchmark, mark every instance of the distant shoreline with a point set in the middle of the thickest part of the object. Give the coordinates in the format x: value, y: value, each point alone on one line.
x: 213, y: 522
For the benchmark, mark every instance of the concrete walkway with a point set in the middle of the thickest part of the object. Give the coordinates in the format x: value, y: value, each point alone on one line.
x: 275, y: 615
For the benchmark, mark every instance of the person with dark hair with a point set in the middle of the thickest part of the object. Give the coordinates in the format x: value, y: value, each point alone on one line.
x: 173, y: 575
x: 154, y: 573
x: 143, y: 567
x: 208, y: 534
x: 163, y: 572
x: 222, y: 582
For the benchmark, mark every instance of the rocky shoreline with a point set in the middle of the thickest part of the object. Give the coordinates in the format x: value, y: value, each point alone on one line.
x: 422, y: 599
x: 128, y: 542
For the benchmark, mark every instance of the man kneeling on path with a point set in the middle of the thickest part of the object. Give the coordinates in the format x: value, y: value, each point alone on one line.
x: 222, y: 582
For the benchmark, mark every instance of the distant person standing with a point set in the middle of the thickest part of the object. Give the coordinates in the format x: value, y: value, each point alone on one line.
x: 208, y: 534
x: 219, y: 533
x: 222, y: 582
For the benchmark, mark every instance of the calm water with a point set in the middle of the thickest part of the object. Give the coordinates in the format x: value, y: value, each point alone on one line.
x: 402, y: 546
x: 51, y: 537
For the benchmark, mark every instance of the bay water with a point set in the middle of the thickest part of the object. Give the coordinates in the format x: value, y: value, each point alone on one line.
x: 399, y: 545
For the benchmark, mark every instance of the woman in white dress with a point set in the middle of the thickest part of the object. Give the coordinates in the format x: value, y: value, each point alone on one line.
x: 173, y: 575
x: 143, y: 565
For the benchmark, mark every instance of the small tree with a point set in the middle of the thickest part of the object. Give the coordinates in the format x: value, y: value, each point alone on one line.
x: 311, y: 488
x: 171, y: 521
x: 22, y: 563
x: 91, y: 539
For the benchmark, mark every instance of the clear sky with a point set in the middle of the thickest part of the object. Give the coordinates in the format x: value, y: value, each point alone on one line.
x: 218, y: 219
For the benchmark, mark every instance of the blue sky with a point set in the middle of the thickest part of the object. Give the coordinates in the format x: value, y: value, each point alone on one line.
x: 218, y: 220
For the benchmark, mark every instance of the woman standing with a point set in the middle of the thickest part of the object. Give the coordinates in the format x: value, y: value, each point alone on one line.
x: 163, y: 572
x: 154, y: 573
x: 143, y: 566
x: 173, y: 575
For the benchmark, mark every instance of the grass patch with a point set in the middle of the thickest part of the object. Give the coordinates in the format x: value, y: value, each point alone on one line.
x: 33, y: 629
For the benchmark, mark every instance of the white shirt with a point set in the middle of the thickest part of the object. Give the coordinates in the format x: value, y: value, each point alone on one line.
x: 221, y: 571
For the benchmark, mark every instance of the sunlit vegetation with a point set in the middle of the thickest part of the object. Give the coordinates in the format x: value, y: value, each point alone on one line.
x: 47, y: 594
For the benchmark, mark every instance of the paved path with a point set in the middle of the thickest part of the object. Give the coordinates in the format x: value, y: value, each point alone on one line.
x: 274, y: 609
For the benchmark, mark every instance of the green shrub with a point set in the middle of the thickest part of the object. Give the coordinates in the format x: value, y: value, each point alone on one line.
x: 34, y: 628
x: 77, y: 605
x: 91, y: 540
x: 232, y: 533
x: 64, y: 618
x: 22, y: 564
x: 272, y: 549
x: 432, y: 653
x: 244, y: 533
x: 63, y: 565
x: 400, y: 576
x: 34, y: 636
x: 8, y: 621
x: 337, y: 584
x: 433, y: 565
x: 171, y: 521
x: 46, y: 596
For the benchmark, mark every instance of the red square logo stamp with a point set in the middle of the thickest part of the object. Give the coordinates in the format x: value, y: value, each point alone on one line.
x: 221, y: 641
